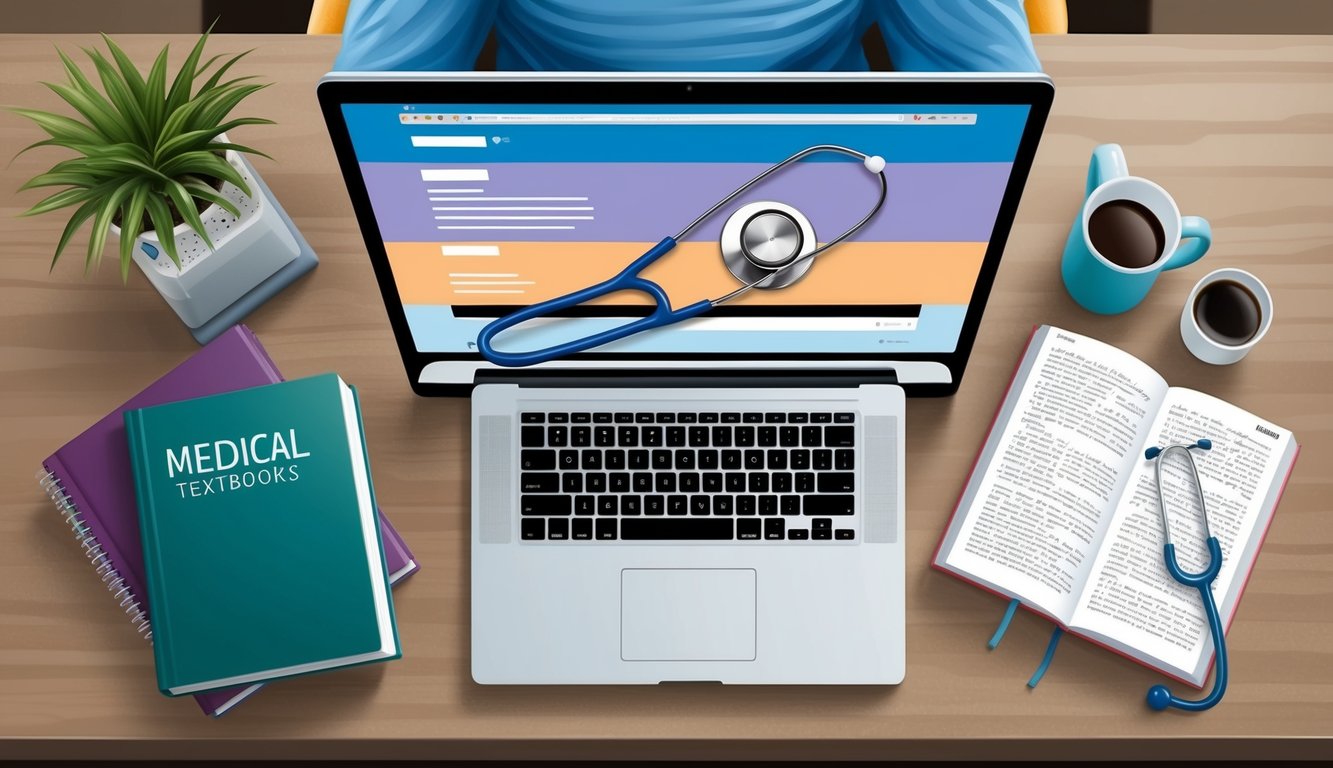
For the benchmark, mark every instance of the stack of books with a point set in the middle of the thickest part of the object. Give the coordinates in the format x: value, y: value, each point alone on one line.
x: 234, y: 522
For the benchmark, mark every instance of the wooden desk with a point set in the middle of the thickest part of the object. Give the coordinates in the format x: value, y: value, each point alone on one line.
x: 1240, y: 129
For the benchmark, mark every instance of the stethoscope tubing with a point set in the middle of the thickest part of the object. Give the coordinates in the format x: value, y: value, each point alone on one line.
x: 629, y: 279
x: 1159, y: 696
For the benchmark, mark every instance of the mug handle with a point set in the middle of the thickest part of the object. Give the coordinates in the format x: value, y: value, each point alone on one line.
x: 1108, y: 162
x: 1200, y: 235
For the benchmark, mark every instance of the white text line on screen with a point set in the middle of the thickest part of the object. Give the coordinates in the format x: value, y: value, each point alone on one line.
x: 513, y: 218
x: 476, y: 191
x: 455, y: 174
x: 484, y: 290
x: 511, y: 207
x: 506, y: 199
x: 491, y: 282
x: 469, y: 250
x: 502, y: 226
x: 483, y: 274
x: 449, y: 141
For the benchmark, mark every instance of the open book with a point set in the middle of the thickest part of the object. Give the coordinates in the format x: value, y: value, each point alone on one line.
x: 1061, y: 510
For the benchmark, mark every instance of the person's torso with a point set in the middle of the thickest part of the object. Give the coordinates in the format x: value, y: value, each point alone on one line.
x: 681, y: 35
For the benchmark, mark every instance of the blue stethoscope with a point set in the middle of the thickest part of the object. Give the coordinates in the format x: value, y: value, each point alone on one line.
x: 765, y: 245
x: 1159, y: 698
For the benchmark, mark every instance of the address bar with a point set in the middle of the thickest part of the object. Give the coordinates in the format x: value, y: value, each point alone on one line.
x: 699, y: 119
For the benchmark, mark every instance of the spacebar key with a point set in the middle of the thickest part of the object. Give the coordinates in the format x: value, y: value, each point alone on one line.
x: 653, y: 529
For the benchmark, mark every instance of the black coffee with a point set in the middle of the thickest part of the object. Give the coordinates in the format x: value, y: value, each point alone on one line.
x: 1227, y: 313
x: 1126, y: 233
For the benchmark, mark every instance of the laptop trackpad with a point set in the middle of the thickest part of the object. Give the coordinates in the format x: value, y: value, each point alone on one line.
x: 687, y: 614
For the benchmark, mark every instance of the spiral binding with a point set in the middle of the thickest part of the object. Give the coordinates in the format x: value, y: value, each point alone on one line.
x: 106, y: 570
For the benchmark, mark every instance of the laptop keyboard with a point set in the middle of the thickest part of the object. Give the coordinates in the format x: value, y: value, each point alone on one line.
x: 652, y: 476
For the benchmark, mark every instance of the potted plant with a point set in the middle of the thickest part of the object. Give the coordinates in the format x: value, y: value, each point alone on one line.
x: 154, y: 167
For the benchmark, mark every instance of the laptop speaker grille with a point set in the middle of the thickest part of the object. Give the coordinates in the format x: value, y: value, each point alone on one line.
x: 495, y: 458
x: 881, y: 479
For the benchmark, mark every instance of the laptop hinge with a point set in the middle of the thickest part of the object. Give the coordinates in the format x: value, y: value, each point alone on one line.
x: 685, y: 378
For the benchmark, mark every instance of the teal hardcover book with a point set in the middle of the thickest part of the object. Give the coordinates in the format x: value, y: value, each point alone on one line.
x: 260, y: 538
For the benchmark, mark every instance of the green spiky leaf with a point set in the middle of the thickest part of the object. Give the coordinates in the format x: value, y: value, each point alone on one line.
x: 145, y: 144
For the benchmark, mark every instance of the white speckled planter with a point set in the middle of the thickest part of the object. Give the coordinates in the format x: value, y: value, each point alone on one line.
x: 246, y: 252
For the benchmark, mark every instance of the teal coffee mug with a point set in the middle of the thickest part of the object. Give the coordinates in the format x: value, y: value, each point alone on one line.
x: 1128, y: 231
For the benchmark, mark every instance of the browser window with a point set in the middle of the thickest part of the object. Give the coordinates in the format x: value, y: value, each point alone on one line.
x: 487, y: 208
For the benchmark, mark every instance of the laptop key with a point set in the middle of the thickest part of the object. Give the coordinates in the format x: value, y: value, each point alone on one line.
x: 844, y: 458
x: 568, y: 460
x: 627, y: 437
x: 689, y: 482
x: 699, y: 505
x: 836, y: 482
x: 606, y: 530
x: 839, y: 436
x: 685, y: 459
x: 767, y: 436
x: 699, y: 436
x: 581, y: 530
x: 537, y: 459
x: 723, y: 505
x: 830, y: 504
x: 798, y: 418
x: 782, y: 482
x: 678, y: 505
x: 777, y: 459
x: 731, y: 459
x: 754, y: 459
x: 811, y: 436
x: 665, y: 529
x: 735, y: 482
x: 789, y: 437
x: 747, y: 529
x: 842, y: 534
x: 661, y: 459
x: 591, y: 459
x: 744, y: 436
x: 639, y: 459
x: 821, y: 534
x: 753, y: 418
x: 790, y: 505
x: 580, y: 418
x: 805, y: 482
x: 557, y: 437
x: 604, y: 437
x: 731, y: 418
x: 643, y: 482
x: 630, y: 505
x: 687, y: 418
x: 541, y: 506
x: 675, y: 437
x: 624, y: 418
x: 654, y: 505
x: 584, y: 505
x: 643, y: 418
x: 619, y: 482
x: 745, y: 505
x: 821, y: 524
x: 572, y: 482
x: 607, y: 506
x: 666, y: 483
x: 532, y: 437
x: 558, y: 529
x: 712, y: 482
x: 721, y: 437
x: 528, y: 417
x: 775, y: 418
x: 602, y: 418
x: 653, y: 437
x: 557, y: 418
x: 844, y: 418
x: 768, y: 505
x: 794, y: 534
x: 533, y: 529
x: 595, y: 482
x: 774, y: 529
x: 799, y: 459
x: 615, y: 459
x: 666, y: 418
x: 758, y: 482
x: 821, y: 418
x: 823, y: 458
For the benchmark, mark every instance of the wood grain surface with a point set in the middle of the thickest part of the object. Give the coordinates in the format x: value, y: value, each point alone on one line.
x: 1239, y: 129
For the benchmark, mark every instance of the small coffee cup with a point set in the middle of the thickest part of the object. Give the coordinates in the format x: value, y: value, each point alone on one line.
x: 1227, y: 313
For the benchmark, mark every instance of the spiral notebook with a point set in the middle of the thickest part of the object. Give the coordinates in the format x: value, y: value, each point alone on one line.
x: 91, y: 483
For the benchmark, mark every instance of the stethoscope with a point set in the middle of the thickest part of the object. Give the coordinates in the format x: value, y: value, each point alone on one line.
x: 1159, y: 697
x: 765, y: 245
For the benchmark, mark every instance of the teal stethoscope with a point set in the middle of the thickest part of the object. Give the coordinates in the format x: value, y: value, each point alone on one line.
x: 1159, y: 698
x: 765, y: 245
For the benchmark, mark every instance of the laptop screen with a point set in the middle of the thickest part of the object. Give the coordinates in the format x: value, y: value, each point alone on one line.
x: 484, y: 208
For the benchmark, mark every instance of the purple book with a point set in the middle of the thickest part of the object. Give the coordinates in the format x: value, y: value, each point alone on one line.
x: 92, y: 485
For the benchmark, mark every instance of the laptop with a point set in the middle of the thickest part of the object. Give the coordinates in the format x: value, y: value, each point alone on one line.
x: 721, y: 500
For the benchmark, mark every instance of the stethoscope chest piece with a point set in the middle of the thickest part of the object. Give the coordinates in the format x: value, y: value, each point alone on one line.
x: 767, y: 239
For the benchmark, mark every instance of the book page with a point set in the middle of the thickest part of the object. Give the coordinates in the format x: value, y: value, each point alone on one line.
x: 1131, y: 599
x: 1041, y: 498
